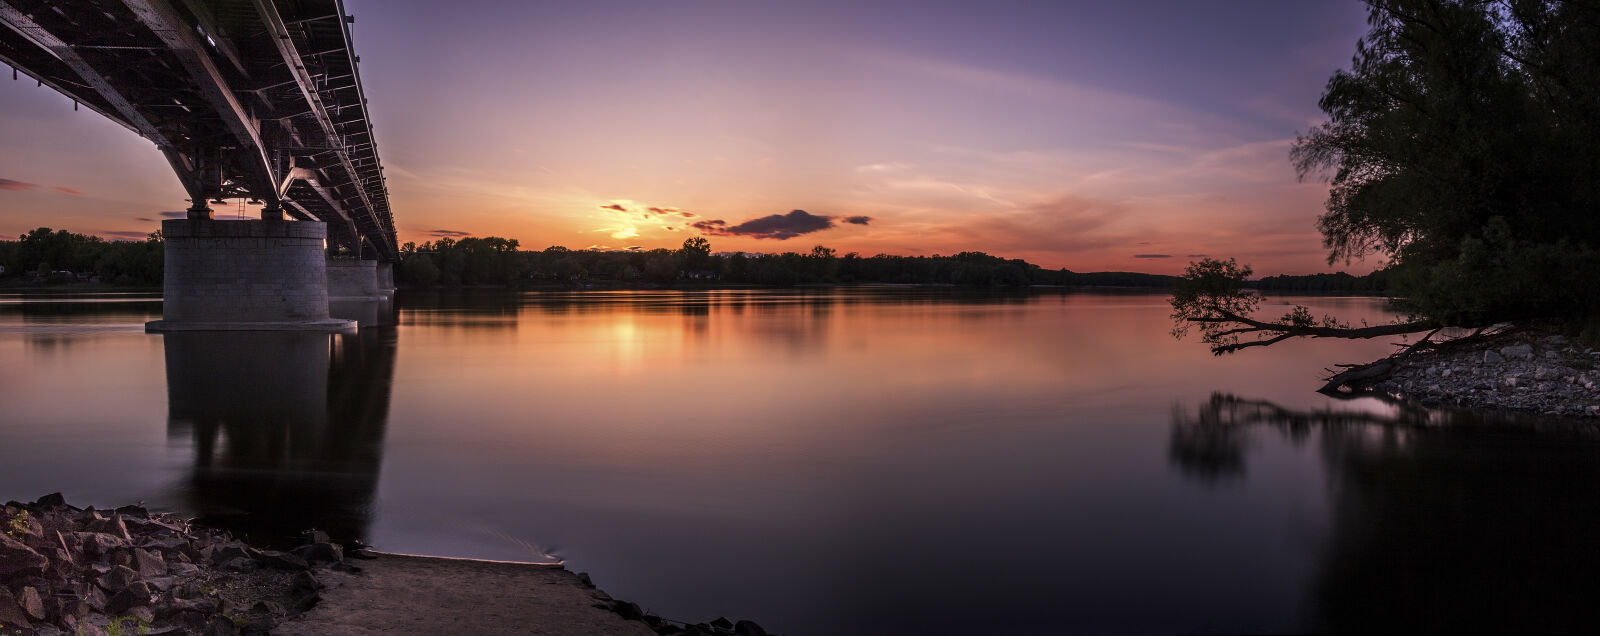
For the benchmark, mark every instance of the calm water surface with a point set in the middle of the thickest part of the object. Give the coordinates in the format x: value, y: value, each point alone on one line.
x: 888, y: 461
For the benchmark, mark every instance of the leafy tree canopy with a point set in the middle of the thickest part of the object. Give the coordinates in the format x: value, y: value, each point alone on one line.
x: 1463, y: 145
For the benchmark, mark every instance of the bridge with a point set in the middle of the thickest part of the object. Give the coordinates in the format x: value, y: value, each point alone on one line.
x: 247, y: 99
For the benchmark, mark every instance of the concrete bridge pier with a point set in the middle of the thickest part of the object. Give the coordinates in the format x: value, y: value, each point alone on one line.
x: 353, y: 279
x: 262, y: 275
x: 386, y: 278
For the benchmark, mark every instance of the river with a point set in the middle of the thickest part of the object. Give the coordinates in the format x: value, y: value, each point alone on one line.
x: 830, y: 461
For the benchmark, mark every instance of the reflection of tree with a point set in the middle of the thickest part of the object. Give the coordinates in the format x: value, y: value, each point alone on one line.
x: 1441, y: 521
x: 287, y: 427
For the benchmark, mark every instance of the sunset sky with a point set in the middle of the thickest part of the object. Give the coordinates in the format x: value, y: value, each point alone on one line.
x: 1087, y: 135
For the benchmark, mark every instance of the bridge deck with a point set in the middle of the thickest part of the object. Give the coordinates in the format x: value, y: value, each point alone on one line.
x: 259, y: 99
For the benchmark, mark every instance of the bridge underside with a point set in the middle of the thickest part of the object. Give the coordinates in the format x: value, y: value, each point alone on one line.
x: 252, y: 99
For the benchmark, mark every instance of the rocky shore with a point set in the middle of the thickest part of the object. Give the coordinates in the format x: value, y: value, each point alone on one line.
x: 1530, y: 370
x: 66, y: 570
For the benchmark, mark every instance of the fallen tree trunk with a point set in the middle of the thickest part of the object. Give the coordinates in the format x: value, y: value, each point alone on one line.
x: 1358, y: 376
x: 1282, y: 331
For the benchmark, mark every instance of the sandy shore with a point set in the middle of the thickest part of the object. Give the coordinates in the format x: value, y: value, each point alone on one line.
x: 396, y: 594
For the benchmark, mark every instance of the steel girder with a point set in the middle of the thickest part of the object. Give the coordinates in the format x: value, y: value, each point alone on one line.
x: 246, y: 98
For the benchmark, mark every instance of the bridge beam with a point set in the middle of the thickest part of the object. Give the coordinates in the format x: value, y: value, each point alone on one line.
x: 335, y: 140
x: 22, y: 24
x: 164, y: 22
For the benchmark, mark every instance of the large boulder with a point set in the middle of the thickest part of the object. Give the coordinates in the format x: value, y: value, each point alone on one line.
x: 31, y: 603
x: 118, y: 578
x: 17, y: 559
x: 11, y: 612
x: 320, y: 552
x: 281, y: 560
x: 149, y: 565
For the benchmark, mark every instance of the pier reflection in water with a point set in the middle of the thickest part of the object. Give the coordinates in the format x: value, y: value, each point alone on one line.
x: 1422, y: 537
x: 287, y: 427
x: 891, y: 461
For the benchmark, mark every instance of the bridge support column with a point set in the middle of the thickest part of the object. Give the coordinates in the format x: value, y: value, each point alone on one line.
x: 353, y: 279
x: 245, y: 276
x: 386, y: 278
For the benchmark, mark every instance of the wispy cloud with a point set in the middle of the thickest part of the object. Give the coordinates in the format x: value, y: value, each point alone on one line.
x: 124, y: 235
x: 1152, y: 256
x: 449, y: 233
x: 15, y: 185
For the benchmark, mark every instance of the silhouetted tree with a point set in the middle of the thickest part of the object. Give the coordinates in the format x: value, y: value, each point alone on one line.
x: 43, y: 250
x: 1461, y: 146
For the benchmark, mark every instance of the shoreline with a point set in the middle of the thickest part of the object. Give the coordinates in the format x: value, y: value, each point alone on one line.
x: 1525, y: 369
x: 69, y: 570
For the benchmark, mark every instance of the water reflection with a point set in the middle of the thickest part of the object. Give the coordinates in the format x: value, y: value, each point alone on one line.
x: 1422, y: 537
x: 287, y: 428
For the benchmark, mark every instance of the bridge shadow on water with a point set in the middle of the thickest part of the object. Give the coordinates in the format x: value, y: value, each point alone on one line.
x: 287, y: 428
x: 1440, y: 521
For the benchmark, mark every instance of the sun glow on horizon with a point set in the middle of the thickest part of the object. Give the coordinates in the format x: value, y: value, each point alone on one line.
x: 997, y: 139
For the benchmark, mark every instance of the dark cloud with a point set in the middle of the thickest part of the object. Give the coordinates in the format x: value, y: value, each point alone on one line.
x: 12, y: 184
x: 614, y: 206
x: 858, y: 220
x: 1152, y: 256
x: 635, y: 248
x: 144, y: 219
x: 449, y: 233
x: 175, y: 215
x: 66, y: 190
x: 776, y: 226
x: 1195, y: 256
x: 124, y: 235
x: 686, y: 214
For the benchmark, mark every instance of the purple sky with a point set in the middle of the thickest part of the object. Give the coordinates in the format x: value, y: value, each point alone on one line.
x: 1088, y: 135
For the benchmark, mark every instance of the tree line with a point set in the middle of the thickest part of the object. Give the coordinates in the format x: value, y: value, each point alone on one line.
x: 46, y: 255
x: 497, y: 261
x: 59, y: 256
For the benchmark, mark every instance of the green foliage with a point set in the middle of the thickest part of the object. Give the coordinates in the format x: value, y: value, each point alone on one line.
x: 696, y: 254
x: 470, y: 261
x: 662, y: 267
x: 18, y: 524
x: 1337, y: 283
x: 43, y: 251
x: 419, y: 269
x: 1498, y: 277
x: 694, y: 263
x: 1463, y: 145
x: 1211, y: 294
x: 126, y: 626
